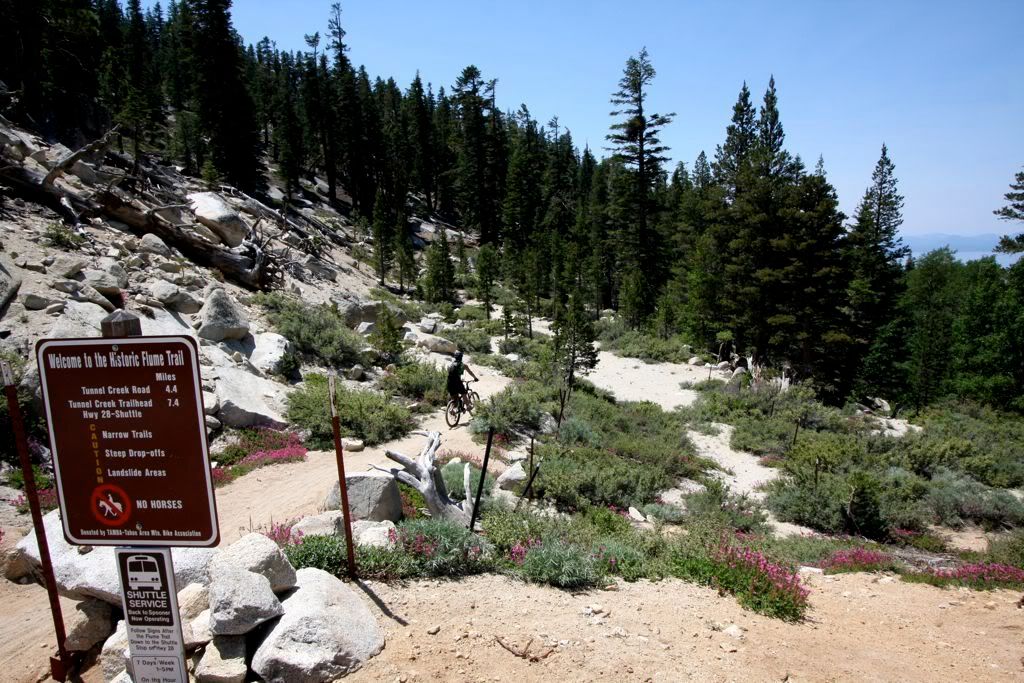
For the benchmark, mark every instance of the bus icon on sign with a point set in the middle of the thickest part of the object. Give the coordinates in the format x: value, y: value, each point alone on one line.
x: 143, y: 572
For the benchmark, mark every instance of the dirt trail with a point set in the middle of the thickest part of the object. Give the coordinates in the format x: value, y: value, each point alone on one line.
x: 745, y: 474
x: 860, y: 628
x: 284, y: 492
x: 631, y: 379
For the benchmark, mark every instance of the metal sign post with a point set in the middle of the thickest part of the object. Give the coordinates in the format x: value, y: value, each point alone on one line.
x: 61, y: 665
x: 151, y: 615
x: 128, y: 436
x: 342, y: 484
x: 483, y: 475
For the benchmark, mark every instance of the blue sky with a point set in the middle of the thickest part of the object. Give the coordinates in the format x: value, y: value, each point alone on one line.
x: 940, y: 82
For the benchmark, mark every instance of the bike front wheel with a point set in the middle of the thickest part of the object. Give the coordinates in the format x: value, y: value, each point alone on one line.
x: 453, y: 413
x: 474, y: 400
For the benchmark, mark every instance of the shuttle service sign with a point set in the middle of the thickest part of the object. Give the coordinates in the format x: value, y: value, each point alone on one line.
x: 129, y: 440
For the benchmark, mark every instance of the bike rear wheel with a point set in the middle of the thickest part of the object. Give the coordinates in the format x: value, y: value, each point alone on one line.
x: 453, y: 413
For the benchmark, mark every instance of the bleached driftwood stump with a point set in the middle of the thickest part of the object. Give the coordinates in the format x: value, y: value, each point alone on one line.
x: 423, y: 475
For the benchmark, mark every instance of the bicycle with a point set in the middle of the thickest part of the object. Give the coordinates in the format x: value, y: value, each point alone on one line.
x: 456, y: 407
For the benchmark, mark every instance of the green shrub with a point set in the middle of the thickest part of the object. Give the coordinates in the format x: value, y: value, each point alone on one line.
x: 443, y: 548
x: 363, y: 414
x: 672, y: 514
x: 506, y: 528
x: 318, y: 331
x: 322, y: 552
x: 423, y: 381
x: 577, y: 432
x: 761, y: 436
x: 819, y: 508
x: 384, y: 564
x: 605, y: 522
x: 621, y: 559
x: 717, y: 505
x: 580, y: 477
x: 511, y: 410
x: 468, y: 339
x: 453, y: 474
x: 804, y: 549
x: 955, y: 499
x: 471, y: 313
x: 60, y: 235
x: 1008, y: 549
x: 16, y: 478
x: 560, y: 564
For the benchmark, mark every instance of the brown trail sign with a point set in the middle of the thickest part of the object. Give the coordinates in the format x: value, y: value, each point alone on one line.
x: 128, y: 436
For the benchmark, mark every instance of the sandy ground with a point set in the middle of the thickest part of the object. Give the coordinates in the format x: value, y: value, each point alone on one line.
x: 861, y: 628
x: 631, y: 379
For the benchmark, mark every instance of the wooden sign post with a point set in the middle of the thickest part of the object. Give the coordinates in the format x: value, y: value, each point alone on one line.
x: 342, y: 484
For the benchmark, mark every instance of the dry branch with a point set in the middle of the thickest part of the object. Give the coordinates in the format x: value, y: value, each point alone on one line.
x: 423, y: 475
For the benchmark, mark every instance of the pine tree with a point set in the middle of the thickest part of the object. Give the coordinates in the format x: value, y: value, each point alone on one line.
x: 575, y: 352
x: 224, y: 105
x: 636, y: 144
x: 439, y: 279
x: 740, y: 137
x: 383, y: 239
x: 1013, y: 211
x: 487, y: 270
x: 405, y: 255
x: 875, y: 252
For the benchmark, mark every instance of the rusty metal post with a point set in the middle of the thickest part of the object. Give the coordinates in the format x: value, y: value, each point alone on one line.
x: 61, y: 665
x: 483, y: 476
x: 342, y: 484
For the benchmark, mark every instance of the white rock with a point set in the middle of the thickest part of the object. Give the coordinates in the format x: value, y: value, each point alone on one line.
x: 636, y: 515
x: 330, y: 523
x: 249, y: 401
x: 223, y: 661
x: 192, y: 600
x: 197, y: 631
x: 371, y: 495
x: 724, y: 365
x: 373, y: 534
x: 221, y: 318
x: 151, y: 244
x: 90, y: 623
x: 352, y: 445
x: 325, y: 633
x: 428, y: 325
x: 94, y: 574
x: 68, y: 265
x: 114, y: 657
x: 212, y: 211
x: 366, y: 328
x: 696, y: 361
x: 255, y: 552
x: 88, y: 293
x: 439, y: 345
x: 512, y: 477
x: 240, y: 601
x: 35, y: 302
x: 270, y: 352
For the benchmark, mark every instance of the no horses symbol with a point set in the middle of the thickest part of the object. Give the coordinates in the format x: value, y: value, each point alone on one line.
x: 111, y: 505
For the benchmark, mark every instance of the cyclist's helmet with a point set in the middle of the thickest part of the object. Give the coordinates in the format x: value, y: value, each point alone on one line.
x: 458, y: 354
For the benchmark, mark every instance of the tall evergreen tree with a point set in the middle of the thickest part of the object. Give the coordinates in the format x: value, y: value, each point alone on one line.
x: 636, y: 144
x: 875, y: 252
x: 1013, y: 211
x: 224, y: 105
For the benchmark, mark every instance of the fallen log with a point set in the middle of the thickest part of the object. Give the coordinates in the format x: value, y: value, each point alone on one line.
x: 257, y: 269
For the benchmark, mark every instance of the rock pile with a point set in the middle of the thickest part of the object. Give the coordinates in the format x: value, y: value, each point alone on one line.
x: 241, y: 603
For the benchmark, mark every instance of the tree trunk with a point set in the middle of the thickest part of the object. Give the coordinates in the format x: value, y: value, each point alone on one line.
x: 423, y: 475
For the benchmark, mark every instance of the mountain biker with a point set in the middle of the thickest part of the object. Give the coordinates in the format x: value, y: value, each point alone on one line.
x: 456, y: 387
